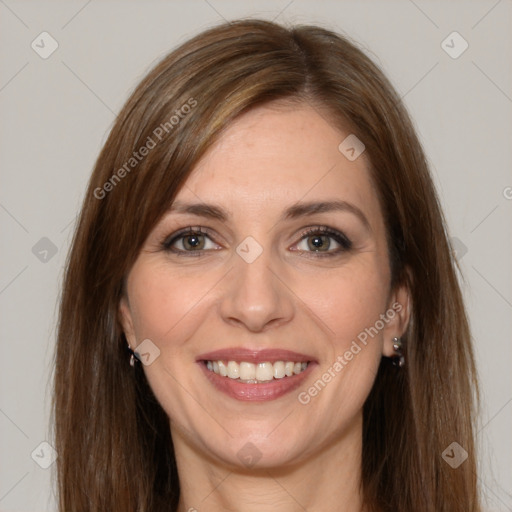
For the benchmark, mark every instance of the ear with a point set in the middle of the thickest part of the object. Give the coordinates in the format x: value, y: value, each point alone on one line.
x: 398, y: 314
x: 126, y: 319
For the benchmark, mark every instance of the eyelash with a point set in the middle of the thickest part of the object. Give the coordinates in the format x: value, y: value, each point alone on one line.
x: 340, y: 238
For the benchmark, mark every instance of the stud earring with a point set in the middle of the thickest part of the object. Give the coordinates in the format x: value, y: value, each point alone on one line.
x: 399, y: 359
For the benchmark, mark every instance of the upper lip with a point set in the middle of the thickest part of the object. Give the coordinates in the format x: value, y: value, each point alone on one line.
x: 269, y: 355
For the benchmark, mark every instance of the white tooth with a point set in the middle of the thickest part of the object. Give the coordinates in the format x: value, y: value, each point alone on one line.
x: 222, y: 369
x: 247, y: 371
x: 264, y: 371
x: 233, y: 370
x: 279, y: 370
x: 252, y: 373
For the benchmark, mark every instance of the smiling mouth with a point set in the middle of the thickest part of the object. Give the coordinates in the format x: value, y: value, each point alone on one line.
x: 256, y: 373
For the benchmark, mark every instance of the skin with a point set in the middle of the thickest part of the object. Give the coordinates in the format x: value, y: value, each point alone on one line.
x: 269, y: 159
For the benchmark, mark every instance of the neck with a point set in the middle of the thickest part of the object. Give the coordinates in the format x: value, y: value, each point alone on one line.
x: 330, y: 480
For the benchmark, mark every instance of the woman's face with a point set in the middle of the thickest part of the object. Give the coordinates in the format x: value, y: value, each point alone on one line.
x: 274, y: 254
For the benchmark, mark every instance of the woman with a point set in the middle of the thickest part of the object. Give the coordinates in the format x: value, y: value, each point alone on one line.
x: 260, y: 310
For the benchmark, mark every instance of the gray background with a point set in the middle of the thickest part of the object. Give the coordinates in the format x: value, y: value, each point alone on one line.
x: 56, y: 113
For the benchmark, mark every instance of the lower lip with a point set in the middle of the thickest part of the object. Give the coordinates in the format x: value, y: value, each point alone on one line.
x: 256, y: 392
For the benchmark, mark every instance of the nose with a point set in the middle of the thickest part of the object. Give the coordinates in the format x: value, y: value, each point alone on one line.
x: 256, y: 295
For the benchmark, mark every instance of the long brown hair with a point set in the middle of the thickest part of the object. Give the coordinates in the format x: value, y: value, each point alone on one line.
x: 113, y: 440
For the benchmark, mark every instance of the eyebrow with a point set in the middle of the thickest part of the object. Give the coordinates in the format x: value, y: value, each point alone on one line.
x: 295, y: 211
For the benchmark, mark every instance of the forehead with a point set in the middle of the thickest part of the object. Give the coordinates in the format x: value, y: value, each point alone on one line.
x: 276, y: 155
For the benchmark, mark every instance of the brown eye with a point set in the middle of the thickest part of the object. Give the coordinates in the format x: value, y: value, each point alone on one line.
x: 193, y: 241
x: 323, y: 240
x: 319, y: 242
x: 189, y: 241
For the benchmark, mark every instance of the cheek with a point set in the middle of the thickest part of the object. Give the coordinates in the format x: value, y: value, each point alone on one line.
x: 348, y: 300
x: 350, y: 305
x: 163, y: 302
x: 167, y: 308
